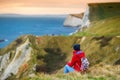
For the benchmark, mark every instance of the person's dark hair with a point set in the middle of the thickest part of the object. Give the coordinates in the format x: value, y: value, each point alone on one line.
x: 76, y: 47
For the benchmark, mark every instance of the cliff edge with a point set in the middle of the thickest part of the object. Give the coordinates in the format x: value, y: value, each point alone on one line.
x: 73, y: 20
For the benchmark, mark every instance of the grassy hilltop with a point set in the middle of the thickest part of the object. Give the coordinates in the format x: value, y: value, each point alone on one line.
x: 100, y: 42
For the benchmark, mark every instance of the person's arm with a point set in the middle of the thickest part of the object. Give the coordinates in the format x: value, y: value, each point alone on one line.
x: 72, y: 61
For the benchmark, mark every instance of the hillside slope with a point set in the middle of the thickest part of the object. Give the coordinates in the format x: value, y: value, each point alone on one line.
x: 106, y: 27
x: 50, y: 54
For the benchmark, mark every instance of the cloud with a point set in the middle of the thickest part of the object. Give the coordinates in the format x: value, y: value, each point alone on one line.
x: 37, y: 10
x: 49, y: 6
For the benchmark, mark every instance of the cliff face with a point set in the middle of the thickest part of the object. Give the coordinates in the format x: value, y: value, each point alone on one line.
x: 78, y: 20
x: 9, y: 66
x: 85, y: 19
x: 73, y: 21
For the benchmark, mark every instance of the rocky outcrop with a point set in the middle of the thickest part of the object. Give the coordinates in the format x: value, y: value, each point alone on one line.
x: 21, y: 56
x: 4, y: 61
x: 2, y: 40
x: 72, y: 21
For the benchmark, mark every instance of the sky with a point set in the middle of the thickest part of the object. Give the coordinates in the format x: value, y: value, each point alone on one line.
x: 43, y: 7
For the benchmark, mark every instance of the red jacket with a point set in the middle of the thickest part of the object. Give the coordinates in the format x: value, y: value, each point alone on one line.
x: 76, y: 60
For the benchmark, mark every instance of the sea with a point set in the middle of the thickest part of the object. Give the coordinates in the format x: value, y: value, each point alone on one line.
x: 13, y: 27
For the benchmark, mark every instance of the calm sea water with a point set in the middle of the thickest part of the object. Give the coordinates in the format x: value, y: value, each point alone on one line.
x: 12, y: 28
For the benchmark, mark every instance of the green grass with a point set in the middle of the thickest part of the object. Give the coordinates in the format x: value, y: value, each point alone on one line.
x: 71, y: 76
x: 105, y: 27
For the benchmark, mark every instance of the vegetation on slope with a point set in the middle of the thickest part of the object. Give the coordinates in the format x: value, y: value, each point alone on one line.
x: 104, y: 20
x: 50, y: 54
x: 51, y: 51
x: 106, y: 27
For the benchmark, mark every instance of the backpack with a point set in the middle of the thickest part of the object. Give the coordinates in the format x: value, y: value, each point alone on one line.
x: 85, y: 64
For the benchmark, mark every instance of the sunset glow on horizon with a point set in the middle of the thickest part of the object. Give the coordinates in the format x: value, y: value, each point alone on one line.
x: 34, y: 7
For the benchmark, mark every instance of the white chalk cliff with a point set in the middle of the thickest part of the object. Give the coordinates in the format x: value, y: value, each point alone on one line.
x: 85, y: 20
x: 21, y: 56
x: 77, y: 21
x: 72, y: 21
x: 81, y: 22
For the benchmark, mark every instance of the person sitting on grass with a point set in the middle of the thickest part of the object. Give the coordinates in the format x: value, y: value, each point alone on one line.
x: 76, y: 63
